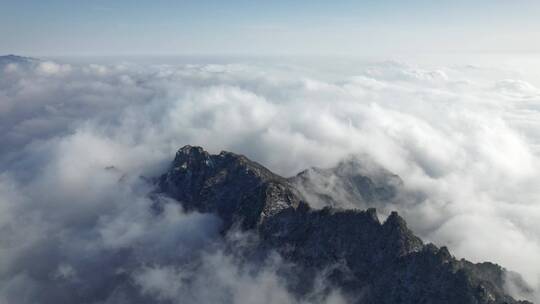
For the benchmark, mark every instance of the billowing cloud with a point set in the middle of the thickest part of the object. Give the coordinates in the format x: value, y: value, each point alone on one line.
x: 80, y: 141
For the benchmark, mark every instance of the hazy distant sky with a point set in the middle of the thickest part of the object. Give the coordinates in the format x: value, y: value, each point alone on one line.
x: 37, y: 27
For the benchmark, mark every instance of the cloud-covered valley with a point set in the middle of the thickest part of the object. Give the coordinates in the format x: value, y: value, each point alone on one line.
x: 80, y: 141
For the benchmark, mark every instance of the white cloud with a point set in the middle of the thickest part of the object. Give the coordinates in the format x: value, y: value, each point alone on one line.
x: 53, y: 68
x: 466, y: 142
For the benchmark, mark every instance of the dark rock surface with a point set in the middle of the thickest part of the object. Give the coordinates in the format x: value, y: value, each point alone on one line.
x: 237, y: 189
x: 370, y: 261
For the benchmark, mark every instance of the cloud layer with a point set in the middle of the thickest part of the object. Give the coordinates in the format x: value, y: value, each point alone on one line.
x: 77, y: 140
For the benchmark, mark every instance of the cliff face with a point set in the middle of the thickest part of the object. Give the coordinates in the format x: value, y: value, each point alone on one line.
x: 372, y: 262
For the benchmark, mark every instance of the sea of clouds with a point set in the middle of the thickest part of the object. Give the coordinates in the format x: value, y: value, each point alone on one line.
x: 80, y: 140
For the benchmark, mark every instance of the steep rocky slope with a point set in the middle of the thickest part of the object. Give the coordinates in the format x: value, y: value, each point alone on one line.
x: 370, y: 261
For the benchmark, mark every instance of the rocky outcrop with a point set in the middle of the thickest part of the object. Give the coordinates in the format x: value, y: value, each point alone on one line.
x: 370, y: 261
x: 237, y: 189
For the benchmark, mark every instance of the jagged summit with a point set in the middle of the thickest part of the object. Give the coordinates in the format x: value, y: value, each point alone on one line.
x: 395, y: 221
x: 370, y: 261
x: 238, y: 189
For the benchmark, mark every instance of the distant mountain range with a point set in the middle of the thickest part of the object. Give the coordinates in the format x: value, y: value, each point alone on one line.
x: 8, y: 59
x: 370, y: 261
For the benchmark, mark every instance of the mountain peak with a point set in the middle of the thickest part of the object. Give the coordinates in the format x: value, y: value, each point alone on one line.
x: 382, y: 262
x: 188, y: 149
x: 395, y: 221
x: 238, y: 189
x: 191, y: 157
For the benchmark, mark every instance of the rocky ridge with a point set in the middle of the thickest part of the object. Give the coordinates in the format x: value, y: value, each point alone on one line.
x: 370, y: 261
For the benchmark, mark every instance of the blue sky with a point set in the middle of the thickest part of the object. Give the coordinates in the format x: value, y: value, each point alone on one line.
x: 267, y: 27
